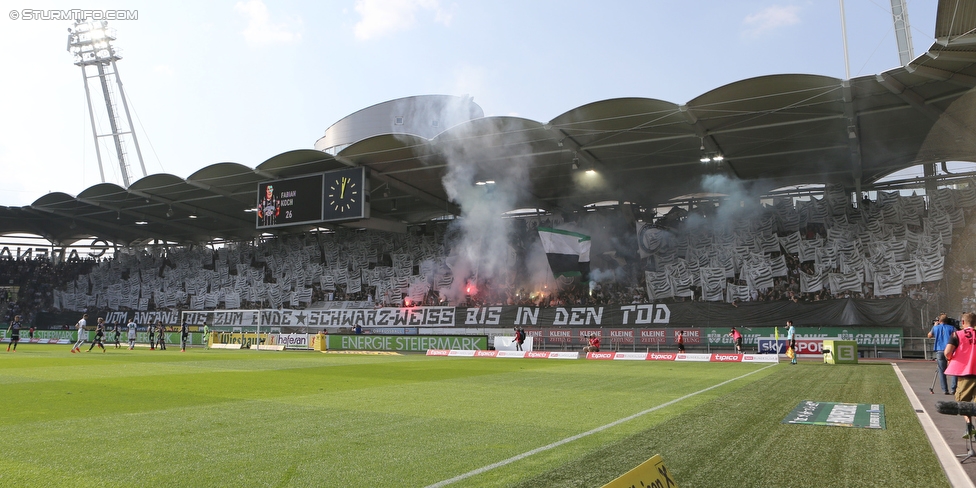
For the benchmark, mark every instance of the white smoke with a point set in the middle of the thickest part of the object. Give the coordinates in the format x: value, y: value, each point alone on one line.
x: 483, y: 253
x: 537, y: 280
x: 485, y: 176
x: 477, y: 150
x: 739, y: 204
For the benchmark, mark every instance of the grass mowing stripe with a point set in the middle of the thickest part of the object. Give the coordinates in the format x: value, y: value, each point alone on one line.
x: 587, y: 433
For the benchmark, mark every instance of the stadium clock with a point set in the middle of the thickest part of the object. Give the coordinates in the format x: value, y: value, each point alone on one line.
x: 345, y: 195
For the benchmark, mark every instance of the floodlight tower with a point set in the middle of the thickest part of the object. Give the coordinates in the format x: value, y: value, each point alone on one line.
x: 91, y: 44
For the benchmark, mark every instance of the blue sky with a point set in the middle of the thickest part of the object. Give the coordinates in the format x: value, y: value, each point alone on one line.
x: 243, y: 81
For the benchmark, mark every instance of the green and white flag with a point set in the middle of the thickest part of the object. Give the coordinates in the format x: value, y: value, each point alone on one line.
x: 568, y: 252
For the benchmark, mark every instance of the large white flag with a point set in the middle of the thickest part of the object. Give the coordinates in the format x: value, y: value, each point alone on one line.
x: 658, y: 285
x: 892, y: 283
x: 713, y: 284
x: 811, y: 283
x: 839, y: 282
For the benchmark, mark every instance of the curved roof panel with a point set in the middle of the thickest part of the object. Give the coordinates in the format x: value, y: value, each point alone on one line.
x: 423, y: 116
x: 387, y: 153
x: 299, y: 162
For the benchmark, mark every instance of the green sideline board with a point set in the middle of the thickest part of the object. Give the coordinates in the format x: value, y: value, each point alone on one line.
x: 413, y: 343
x: 862, y: 415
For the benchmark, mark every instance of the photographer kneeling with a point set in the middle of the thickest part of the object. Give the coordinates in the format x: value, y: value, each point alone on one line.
x: 594, y: 345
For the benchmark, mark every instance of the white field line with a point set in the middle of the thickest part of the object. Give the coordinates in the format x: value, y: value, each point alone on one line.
x: 587, y: 433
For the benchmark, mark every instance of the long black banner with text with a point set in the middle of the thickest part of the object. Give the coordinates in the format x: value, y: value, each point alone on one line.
x: 896, y: 312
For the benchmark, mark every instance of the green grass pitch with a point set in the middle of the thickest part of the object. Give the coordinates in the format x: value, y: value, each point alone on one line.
x: 245, y: 418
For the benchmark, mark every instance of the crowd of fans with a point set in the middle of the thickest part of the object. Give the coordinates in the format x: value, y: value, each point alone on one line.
x: 964, y: 265
x: 27, y: 285
x: 788, y: 288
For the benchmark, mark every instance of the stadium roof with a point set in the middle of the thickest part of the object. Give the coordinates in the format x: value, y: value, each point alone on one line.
x: 773, y: 131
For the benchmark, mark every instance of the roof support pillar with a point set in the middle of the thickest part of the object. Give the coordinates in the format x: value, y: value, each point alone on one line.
x: 931, y: 184
x: 853, y: 139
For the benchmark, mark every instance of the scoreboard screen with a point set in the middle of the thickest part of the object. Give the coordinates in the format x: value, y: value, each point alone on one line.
x: 290, y: 201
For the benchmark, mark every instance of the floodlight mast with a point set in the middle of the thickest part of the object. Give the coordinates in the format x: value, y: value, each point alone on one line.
x: 91, y: 44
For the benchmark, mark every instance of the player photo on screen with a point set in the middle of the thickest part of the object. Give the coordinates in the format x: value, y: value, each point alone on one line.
x: 268, y: 207
x: 290, y: 201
